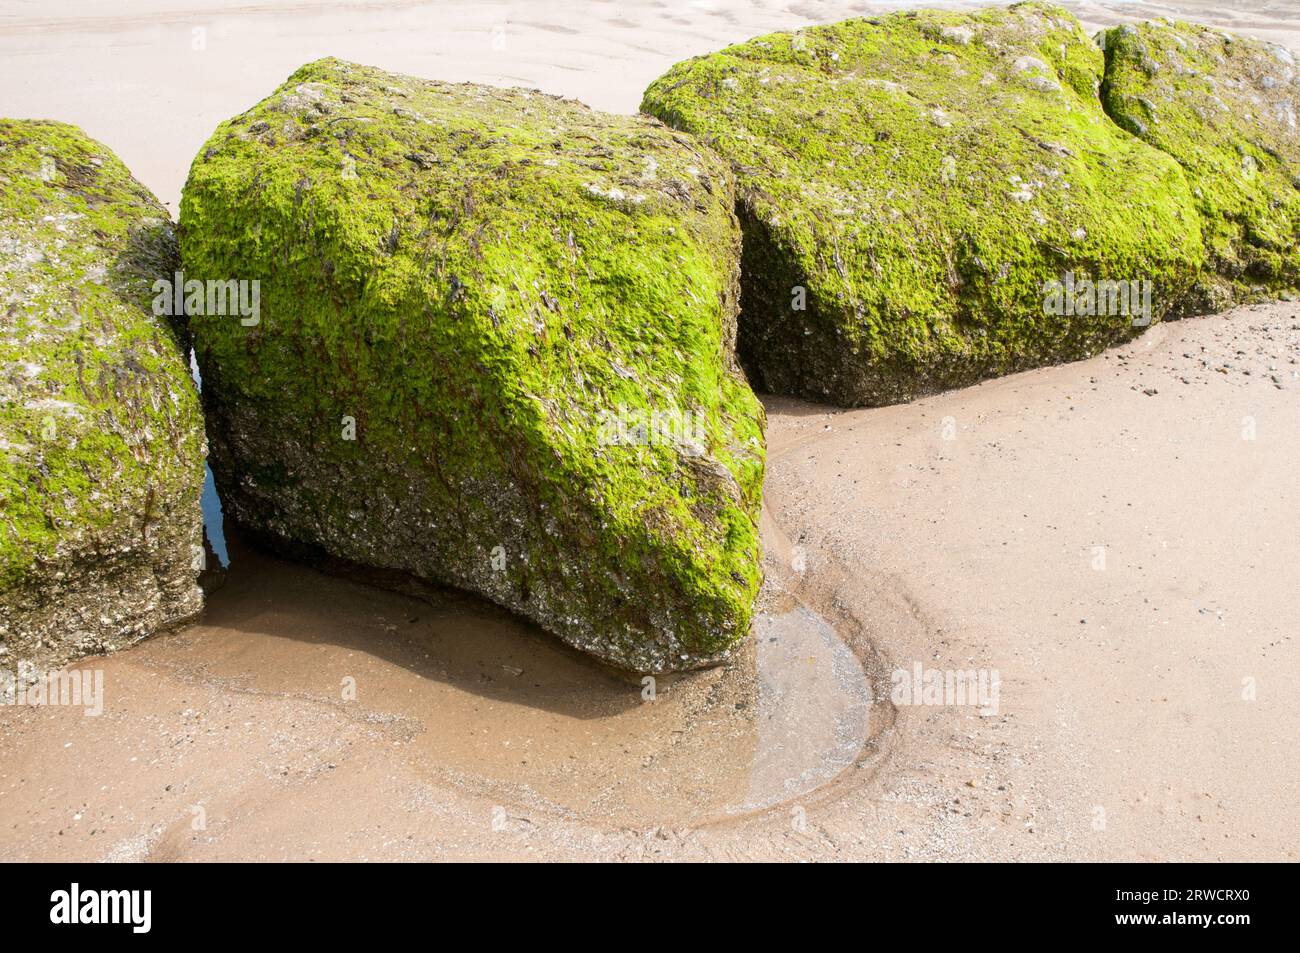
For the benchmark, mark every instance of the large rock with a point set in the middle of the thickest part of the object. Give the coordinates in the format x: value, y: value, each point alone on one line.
x: 470, y: 299
x: 101, y: 436
x: 912, y: 185
x: 1228, y: 109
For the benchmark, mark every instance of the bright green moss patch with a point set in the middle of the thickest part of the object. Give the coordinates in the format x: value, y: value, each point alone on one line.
x: 101, y: 438
x: 1228, y: 109
x: 908, y: 186
x: 464, y: 291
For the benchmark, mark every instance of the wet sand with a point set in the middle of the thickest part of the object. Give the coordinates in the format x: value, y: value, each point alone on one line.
x: 299, y: 684
x: 1124, y: 560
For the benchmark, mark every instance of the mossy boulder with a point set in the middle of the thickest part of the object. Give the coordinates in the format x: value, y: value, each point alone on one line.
x: 495, y: 350
x: 101, y: 435
x: 911, y: 184
x: 1228, y: 109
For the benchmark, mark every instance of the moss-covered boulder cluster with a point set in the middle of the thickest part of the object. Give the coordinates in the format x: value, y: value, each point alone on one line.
x: 1228, y: 109
x: 101, y: 435
x: 910, y: 183
x: 488, y: 337
x: 494, y: 350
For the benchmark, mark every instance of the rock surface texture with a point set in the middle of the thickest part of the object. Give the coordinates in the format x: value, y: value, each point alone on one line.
x: 101, y: 435
x: 911, y: 185
x: 495, y: 350
x: 1228, y: 109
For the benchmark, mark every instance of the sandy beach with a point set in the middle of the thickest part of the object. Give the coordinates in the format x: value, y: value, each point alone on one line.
x: 1113, y: 540
x: 958, y: 532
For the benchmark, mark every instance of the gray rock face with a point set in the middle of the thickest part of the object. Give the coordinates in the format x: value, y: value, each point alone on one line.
x: 101, y: 436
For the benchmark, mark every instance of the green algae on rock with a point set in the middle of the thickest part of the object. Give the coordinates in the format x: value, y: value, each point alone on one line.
x: 910, y: 186
x: 495, y: 351
x: 101, y: 435
x: 1226, y: 108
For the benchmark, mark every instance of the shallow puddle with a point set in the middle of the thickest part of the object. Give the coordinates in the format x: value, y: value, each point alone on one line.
x: 814, y: 706
x: 479, y: 698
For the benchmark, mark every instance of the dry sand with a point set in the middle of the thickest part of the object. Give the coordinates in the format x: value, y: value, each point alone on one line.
x: 1116, y: 538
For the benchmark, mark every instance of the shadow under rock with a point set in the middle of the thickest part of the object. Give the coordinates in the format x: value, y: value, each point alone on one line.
x: 436, y: 633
